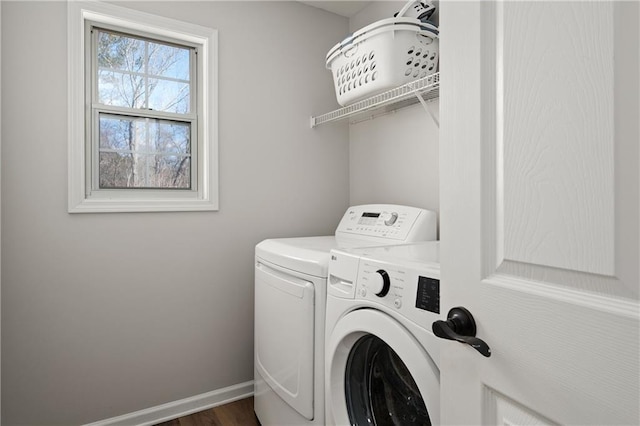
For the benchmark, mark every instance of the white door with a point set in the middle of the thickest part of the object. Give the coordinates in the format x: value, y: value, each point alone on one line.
x: 540, y: 210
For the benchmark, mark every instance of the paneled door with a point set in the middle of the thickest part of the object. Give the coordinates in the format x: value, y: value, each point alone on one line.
x: 540, y: 210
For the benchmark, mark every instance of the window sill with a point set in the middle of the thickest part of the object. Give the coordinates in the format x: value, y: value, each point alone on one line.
x: 137, y: 205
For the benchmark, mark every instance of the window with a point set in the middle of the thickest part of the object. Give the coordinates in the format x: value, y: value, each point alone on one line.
x: 143, y: 118
x: 142, y: 108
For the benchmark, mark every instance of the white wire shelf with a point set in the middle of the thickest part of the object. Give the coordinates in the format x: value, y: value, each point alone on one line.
x: 424, y: 90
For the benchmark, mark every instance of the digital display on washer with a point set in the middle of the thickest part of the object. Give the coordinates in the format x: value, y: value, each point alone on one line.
x: 428, y: 297
x: 368, y: 218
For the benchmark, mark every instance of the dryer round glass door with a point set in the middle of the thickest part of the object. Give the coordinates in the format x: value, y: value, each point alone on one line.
x: 380, y: 373
x: 379, y: 388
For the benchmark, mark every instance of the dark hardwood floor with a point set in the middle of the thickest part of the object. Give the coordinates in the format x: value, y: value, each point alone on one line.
x: 238, y: 413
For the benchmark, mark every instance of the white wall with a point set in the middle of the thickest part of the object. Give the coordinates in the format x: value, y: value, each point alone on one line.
x: 105, y: 314
x: 394, y: 158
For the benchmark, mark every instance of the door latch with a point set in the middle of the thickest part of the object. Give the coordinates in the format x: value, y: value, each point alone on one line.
x: 461, y: 327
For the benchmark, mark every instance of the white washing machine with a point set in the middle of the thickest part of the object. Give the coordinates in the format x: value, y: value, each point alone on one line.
x: 382, y: 360
x: 290, y: 297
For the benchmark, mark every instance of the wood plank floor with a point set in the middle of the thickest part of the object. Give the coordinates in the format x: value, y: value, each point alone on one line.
x: 238, y: 413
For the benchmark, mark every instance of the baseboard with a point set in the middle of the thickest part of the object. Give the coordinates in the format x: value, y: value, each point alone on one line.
x: 181, y: 407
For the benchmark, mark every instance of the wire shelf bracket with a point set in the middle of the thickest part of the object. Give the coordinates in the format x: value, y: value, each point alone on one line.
x: 423, y: 90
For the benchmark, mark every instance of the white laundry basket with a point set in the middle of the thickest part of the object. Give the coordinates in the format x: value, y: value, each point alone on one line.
x: 381, y: 56
x: 422, y: 9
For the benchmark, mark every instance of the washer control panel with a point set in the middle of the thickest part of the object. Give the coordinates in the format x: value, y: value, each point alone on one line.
x: 388, y: 222
x: 404, y: 278
x: 413, y: 292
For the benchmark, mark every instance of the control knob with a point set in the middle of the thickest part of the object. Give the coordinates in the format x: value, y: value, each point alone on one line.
x: 380, y: 283
x: 390, y: 218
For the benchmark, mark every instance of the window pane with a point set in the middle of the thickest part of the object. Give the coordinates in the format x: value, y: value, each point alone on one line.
x: 170, y: 137
x: 139, y: 73
x: 172, y: 171
x: 116, y: 170
x: 140, y: 152
x: 119, y: 52
x: 169, y: 61
x: 169, y: 96
x: 123, y: 133
x: 120, y: 89
x: 126, y: 170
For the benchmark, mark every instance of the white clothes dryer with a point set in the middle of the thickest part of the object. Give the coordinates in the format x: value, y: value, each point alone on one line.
x: 290, y: 298
x: 382, y: 360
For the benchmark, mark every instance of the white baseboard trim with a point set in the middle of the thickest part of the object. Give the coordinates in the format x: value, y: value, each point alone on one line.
x: 181, y: 407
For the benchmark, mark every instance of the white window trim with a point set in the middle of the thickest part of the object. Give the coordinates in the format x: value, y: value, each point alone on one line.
x: 80, y: 200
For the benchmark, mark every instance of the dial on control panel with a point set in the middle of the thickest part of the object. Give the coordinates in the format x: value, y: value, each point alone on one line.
x: 390, y: 218
x: 380, y: 283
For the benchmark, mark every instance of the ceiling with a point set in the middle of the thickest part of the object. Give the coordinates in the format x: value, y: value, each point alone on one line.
x: 343, y: 8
